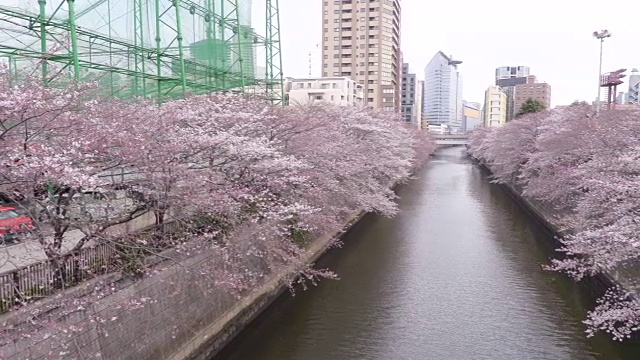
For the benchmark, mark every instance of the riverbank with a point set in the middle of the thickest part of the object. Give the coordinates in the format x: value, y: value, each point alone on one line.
x: 596, y: 285
x: 456, y: 274
x: 170, y: 315
x: 211, y: 340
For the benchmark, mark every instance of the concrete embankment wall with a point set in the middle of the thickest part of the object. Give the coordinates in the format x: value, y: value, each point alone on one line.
x: 180, y: 316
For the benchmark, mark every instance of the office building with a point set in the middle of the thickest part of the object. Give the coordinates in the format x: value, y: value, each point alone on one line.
x: 442, y: 95
x: 495, y: 107
x: 417, y: 107
x: 509, y: 72
x: 622, y: 98
x: 361, y: 40
x: 472, y: 115
x: 634, y: 87
x: 411, y: 97
x: 508, y: 85
x: 408, y: 93
x: 536, y: 91
x: 340, y: 91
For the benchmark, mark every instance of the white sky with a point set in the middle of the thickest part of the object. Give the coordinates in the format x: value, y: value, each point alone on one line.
x: 552, y: 37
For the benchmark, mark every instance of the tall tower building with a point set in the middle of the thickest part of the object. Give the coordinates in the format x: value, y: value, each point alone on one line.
x: 361, y: 40
x: 442, y: 97
x: 634, y: 87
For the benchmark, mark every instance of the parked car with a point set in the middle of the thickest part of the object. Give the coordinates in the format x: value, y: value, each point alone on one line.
x: 13, y: 225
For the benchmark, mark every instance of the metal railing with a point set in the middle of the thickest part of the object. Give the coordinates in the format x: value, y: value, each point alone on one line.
x: 35, y: 281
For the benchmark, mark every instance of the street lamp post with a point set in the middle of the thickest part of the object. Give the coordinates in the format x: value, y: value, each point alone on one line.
x: 601, y: 35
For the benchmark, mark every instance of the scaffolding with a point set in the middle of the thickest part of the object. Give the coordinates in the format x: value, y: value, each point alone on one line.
x: 159, y: 49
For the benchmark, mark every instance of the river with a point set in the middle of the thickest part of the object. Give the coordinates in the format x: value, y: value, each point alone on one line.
x: 455, y: 275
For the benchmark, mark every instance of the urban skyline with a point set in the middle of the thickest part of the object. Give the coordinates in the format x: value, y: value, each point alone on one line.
x: 526, y: 44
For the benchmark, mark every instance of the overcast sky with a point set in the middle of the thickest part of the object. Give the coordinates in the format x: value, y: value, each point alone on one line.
x: 552, y: 37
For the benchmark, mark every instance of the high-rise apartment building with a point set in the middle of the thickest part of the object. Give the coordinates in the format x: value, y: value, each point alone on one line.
x: 508, y: 72
x: 361, y: 40
x: 536, y: 91
x: 442, y: 96
x: 634, y: 87
x: 495, y: 107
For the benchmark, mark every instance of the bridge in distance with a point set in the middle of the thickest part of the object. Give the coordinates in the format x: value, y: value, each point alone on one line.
x: 451, y: 139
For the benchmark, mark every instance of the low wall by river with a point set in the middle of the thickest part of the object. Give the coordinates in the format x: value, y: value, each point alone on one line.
x: 171, y: 315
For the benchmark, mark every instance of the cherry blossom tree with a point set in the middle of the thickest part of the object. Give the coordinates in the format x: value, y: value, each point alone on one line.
x: 588, y: 169
x: 242, y: 178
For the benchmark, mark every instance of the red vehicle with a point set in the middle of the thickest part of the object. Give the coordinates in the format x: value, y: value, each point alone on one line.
x: 13, y: 224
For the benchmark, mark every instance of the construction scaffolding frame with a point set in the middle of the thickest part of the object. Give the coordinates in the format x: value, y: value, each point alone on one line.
x: 158, y: 49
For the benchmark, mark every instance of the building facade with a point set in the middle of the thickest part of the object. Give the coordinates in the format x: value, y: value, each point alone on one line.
x: 536, y: 91
x: 472, y: 115
x: 417, y: 108
x: 508, y: 72
x: 495, y: 107
x: 622, y: 98
x: 408, y: 93
x: 634, y: 87
x: 442, y: 95
x: 361, y: 40
x: 508, y: 85
x: 341, y: 91
x: 411, y: 97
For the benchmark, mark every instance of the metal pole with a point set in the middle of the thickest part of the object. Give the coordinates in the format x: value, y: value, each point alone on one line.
x: 599, y: 78
x: 158, y: 52
x: 183, y: 75
x: 74, y: 39
x: 43, y: 37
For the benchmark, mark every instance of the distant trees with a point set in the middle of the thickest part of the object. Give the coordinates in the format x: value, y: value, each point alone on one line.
x: 579, y: 103
x: 588, y: 168
x: 531, y: 106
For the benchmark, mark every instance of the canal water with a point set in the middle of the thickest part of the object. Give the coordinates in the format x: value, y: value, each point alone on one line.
x: 455, y: 275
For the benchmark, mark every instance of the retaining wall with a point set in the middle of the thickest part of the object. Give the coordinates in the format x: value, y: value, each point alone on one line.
x: 188, y: 318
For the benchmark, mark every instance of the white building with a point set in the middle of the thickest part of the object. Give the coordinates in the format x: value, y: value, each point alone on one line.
x: 442, y: 95
x: 634, y: 87
x: 340, y: 91
x: 417, y: 107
